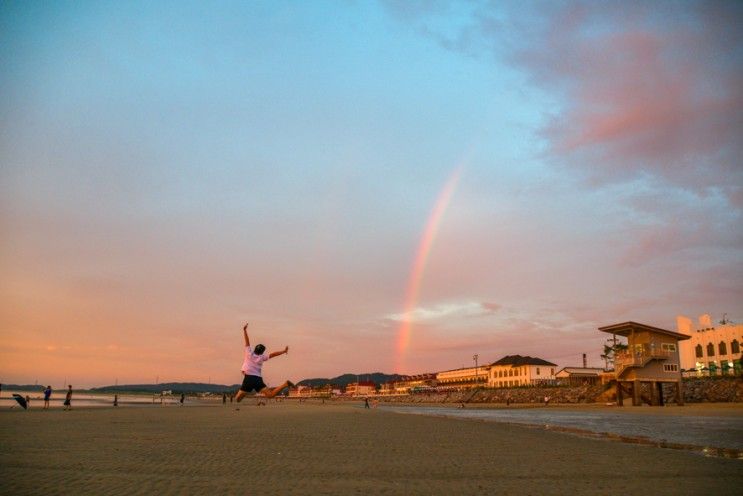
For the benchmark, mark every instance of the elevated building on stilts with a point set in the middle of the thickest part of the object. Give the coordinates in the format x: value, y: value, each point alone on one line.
x: 650, y: 365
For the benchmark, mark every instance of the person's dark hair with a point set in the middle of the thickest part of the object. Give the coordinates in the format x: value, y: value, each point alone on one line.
x: 259, y: 349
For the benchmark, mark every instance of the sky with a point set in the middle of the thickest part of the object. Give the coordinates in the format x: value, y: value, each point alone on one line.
x: 382, y: 186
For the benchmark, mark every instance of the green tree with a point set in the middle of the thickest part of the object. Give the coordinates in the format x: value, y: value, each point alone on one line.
x: 611, y: 348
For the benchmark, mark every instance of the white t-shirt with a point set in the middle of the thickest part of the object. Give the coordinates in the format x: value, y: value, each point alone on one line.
x: 253, y: 363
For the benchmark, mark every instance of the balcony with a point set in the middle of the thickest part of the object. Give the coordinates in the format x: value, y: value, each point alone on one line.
x: 639, y: 357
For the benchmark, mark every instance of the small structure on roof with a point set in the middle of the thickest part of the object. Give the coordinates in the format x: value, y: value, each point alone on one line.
x: 650, y: 362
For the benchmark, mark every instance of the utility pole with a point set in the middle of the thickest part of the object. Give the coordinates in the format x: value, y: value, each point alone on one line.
x: 475, y: 357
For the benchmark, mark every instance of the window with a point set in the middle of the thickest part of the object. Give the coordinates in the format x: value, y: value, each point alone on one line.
x: 552, y: 371
x: 722, y: 348
x: 710, y: 349
x: 670, y: 367
x: 537, y: 370
x: 735, y: 346
x: 668, y: 346
x: 699, y: 351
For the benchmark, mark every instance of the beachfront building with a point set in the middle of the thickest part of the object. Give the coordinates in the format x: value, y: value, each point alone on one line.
x: 361, y: 388
x: 415, y: 383
x: 386, y: 388
x: 650, y: 361
x: 464, y: 378
x: 325, y: 391
x: 711, y: 349
x: 517, y: 370
x: 578, y: 376
x: 300, y: 392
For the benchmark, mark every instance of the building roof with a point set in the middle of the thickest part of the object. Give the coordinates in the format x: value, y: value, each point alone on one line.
x: 626, y: 328
x: 581, y: 370
x: 518, y: 361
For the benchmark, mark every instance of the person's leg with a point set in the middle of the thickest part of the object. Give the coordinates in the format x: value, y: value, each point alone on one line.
x: 240, y: 395
x: 270, y: 393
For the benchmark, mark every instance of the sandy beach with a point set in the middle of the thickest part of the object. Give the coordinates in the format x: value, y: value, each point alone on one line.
x: 311, y: 448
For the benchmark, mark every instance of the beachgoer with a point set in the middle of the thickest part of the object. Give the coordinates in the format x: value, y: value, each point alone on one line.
x: 252, y: 370
x: 183, y: 398
x: 366, y: 402
x: 47, y: 395
x: 224, y: 398
x: 68, y: 398
x: 28, y: 401
x: 116, y: 400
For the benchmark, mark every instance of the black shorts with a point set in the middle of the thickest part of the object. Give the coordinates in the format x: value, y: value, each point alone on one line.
x: 252, y: 383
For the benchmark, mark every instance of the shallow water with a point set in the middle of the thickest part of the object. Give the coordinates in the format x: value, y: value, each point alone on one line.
x: 713, y: 436
x: 88, y: 400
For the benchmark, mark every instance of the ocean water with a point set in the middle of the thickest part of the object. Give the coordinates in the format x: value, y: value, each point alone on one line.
x: 88, y: 400
x: 713, y: 435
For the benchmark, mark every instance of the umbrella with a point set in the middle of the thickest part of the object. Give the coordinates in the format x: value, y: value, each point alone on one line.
x: 21, y: 400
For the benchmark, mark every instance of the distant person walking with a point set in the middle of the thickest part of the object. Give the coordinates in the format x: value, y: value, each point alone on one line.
x: 116, y: 400
x: 366, y: 402
x: 183, y: 398
x: 47, y: 396
x: 252, y: 370
x: 68, y: 398
x: 224, y: 398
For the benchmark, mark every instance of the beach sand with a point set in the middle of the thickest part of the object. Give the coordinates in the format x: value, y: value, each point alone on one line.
x: 310, y: 448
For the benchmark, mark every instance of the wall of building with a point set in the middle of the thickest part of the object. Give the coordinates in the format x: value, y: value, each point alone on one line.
x: 703, y: 336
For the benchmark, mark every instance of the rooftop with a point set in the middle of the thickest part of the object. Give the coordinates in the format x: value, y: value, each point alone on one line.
x: 627, y: 328
x: 518, y: 361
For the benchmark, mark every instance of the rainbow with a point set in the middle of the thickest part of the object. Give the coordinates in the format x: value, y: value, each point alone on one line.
x: 419, y: 264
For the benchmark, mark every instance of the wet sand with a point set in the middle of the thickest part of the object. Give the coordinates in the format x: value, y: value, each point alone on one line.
x: 310, y: 448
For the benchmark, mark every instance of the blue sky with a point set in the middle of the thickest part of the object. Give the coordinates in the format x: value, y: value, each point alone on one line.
x: 171, y: 170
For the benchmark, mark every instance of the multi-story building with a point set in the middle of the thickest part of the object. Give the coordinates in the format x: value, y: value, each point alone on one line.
x: 650, y: 361
x: 300, y: 392
x: 711, y: 348
x: 386, y: 388
x: 517, y: 370
x: 361, y: 388
x: 413, y: 383
x: 463, y: 378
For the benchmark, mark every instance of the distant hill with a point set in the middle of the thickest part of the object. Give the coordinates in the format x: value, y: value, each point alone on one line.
x: 346, y: 379
x: 200, y: 387
x: 175, y: 387
x: 22, y: 387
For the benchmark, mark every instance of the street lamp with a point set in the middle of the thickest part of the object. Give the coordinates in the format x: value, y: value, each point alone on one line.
x: 475, y: 357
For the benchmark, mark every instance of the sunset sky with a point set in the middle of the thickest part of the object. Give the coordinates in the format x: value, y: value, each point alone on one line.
x: 382, y: 186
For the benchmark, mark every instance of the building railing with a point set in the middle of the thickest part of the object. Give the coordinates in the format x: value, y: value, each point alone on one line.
x: 639, y: 356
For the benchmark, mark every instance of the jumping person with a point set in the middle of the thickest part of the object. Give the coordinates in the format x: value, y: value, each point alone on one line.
x: 251, y: 369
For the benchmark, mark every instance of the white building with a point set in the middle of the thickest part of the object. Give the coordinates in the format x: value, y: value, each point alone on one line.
x: 463, y: 378
x: 517, y: 370
x: 362, y: 388
x: 713, y: 347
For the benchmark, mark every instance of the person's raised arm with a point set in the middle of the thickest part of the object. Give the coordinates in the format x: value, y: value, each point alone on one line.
x: 245, y: 333
x: 277, y: 353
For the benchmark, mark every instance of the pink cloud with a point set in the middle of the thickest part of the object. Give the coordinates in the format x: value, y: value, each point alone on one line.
x: 643, y: 96
x: 642, y: 90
